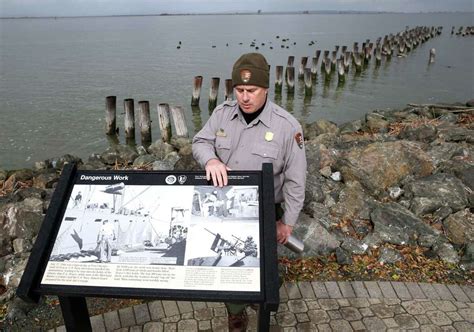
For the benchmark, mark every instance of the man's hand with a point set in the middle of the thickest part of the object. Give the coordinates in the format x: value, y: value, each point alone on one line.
x: 283, y: 232
x: 217, y: 171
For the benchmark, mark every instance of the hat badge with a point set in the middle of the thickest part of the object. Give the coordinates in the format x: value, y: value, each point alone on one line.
x: 245, y: 75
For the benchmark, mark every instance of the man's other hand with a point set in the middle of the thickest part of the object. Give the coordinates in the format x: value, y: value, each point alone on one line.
x: 283, y: 232
x: 217, y: 171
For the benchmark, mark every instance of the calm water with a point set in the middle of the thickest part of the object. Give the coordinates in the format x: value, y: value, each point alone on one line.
x: 56, y: 73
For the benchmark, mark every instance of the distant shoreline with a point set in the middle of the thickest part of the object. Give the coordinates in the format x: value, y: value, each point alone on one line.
x: 324, y: 12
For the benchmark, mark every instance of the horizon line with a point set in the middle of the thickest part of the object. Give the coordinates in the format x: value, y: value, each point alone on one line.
x: 304, y: 12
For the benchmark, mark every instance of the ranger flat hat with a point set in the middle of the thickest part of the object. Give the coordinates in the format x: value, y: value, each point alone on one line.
x: 251, y: 69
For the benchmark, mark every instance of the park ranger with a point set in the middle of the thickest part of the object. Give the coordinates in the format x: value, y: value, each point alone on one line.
x: 243, y: 134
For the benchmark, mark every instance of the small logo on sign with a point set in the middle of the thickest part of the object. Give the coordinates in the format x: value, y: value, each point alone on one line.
x: 170, y: 179
x: 182, y: 179
x: 245, y: 75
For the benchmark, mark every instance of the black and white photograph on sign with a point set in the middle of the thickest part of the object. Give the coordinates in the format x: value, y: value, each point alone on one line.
x: 229, y: 202
x: 224, y: 228
x: 125, y: 224
x: 223, y: 244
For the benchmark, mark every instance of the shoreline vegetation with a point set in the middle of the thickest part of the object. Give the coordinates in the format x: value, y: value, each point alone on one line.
x: 303, y: 12
x: 388, y: 197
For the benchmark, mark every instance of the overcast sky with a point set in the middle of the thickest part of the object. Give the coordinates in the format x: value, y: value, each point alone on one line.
x: 133, y: 7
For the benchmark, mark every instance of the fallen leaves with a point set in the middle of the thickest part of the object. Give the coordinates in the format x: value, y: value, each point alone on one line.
x: 415, y: 266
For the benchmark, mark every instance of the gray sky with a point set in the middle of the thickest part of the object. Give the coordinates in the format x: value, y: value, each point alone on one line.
x: 131, y: 7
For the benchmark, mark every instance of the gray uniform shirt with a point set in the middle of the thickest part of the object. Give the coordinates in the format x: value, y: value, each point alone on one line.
x: 275, y: 136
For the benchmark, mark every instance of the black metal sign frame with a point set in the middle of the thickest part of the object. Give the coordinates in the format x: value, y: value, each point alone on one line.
x: 257, y: 251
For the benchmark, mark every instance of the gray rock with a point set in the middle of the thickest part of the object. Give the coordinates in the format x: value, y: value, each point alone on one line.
x: 46, y: 180
x: 440, y: 214
x: 382, y: 165
x: 319, y: 127
x: 354, y: 246
x: 144, y: 160
x: 389, y: 256
x: 343, y: 257
x: 459, y: 227
x: 161, y: 165
x: 180, y: 142
x: 448, y: 117
x: 424, y: 133
x: 23, y: 174
x: 376, y: 122
x: 318, y: 241
x: 351, y: 127
x: 172, y: 157
x: 59, y: 163
x: 313, y: 190
x: 467, y: 260
x: 313, y: 156
x: 470, y: 103
x: 141, y: 150
x: 466, y: 174
x: 446, y: 252
x: 122, y: 154
x: 3, y: 174
x: 23, y: 224
x: 397, y: 225
x: 453, y: 133
x: 353, y: 202
x: 22, y: 245
x: 362, y: 227
x: 373, y: 240
x: 94, y: 162
x: 29, y: 192
x: 187, y: 163
x: 32, y: 204
x: 42, y: 165
x: 325, y: 171
x: 160, y: 149
x: 435, y: 191
x: 395, y: 192
x: 441, y: 152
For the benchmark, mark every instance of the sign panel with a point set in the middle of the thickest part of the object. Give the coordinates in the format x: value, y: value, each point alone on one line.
x: 152, y: 230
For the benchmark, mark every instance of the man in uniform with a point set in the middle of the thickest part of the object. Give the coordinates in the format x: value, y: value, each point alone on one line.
x: 243, y: 134
x: 105, y: 239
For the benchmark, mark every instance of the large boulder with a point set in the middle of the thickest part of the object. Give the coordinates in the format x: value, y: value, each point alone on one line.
x: 318, y: 241
x: 459, y: 227
x: 353, y: 202
x: 22, y: 223
x: 397, y: 225
x: 160, y: 149
x: 384, y: 164
x: 313, y: 190
x: 319, y: 127
x: 376, y: 122
x: 432, y: 192
x: 424, y: 133
x: 122, y: 154
x: 442, y: 152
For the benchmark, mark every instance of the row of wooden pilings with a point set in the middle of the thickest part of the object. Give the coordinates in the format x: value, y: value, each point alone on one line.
x: 463, y: 31
x: 402, y: 43
x: 165, y: 114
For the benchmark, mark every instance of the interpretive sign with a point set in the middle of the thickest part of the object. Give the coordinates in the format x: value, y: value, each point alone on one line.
x: 169, y: 235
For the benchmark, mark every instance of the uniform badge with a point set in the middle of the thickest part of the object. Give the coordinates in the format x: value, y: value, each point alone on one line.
x: 299, y: 140
x: 268, y: 136
x: 221, y: 133
x: 245, y: 75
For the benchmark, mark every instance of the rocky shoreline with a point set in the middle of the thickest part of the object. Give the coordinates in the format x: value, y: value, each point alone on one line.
x: 397, y: 177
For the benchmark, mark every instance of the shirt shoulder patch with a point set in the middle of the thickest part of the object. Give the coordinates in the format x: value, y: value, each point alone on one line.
x: 299, y: 139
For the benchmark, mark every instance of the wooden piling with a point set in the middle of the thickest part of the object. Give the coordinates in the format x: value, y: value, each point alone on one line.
x: 308, y: 82
x: 347, y: 59
x: 229, y: 89
x: 432, y: 55
x: 314, y: 67
x: 291, y: 61
x: 179, y: 120
x: 327, y: 68
x: 144, y: 121
x: 129, y: 118
x: 378, y: 55
x: 303, y: 63
x: 333, y: 60
x: 213, y: 91
x: 278, y: 79
x: 317, y: 54
x: 341, y: 72
x: 343, y: 49
x: 357, y: 61
x: 196, y: 90
x: 110, y: 115
x: 164, y: 122
x: 290, y: 79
